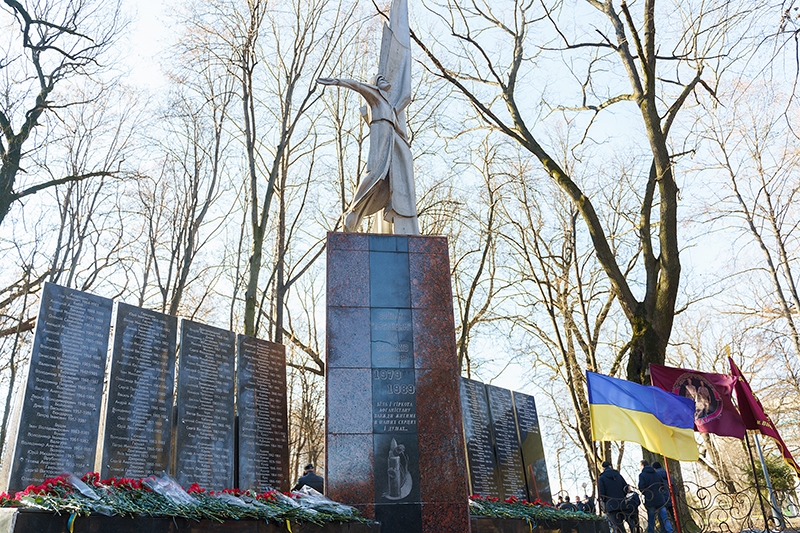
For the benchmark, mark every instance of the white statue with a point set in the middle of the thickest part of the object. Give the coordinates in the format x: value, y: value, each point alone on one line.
x: 389, y: 183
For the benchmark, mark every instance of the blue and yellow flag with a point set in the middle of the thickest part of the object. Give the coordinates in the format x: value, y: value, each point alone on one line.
x: 660, y: 421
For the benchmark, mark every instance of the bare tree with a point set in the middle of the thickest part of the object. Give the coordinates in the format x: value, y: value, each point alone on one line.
x: 292, y: 67
x: 494, y: 79
x: 181, y: 206
x: 56, y: 41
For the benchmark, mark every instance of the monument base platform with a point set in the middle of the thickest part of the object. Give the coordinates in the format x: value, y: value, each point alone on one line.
x: 483, y: 524
x: 29, y: 521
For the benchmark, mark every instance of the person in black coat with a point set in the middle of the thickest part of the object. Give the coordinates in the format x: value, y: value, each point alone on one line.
x: 652, y: 487
x: 311, y: 479
x: 611, y: 490
x: 631, y: 509
x: 663, y: 473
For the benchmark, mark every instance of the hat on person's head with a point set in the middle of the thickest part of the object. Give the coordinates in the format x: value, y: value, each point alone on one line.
x: 309, y: 466
x: 606, y: 464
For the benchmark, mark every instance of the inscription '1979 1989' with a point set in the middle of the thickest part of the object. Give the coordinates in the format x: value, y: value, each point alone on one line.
x: 394, y: 403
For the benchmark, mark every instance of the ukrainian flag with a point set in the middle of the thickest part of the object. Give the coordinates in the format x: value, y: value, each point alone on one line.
x: 660, y: 421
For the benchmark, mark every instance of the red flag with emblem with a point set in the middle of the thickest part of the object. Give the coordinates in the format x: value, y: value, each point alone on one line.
x: 712, y: 393
x: 754, y: 416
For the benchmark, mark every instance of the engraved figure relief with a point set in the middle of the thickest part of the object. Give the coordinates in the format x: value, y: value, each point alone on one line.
x: 400, y: 482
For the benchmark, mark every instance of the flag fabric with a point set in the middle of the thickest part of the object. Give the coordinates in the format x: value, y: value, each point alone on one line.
x: 714, y: 411
x: 755, y: 417
x: 660, y: 421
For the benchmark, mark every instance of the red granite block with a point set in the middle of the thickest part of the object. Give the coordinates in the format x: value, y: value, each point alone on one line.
x: 348, y: 278
x: 428, y: 244
x: 349, y: 478
x: 430, y: 281
x: 435, y: 340
x: 349, y: 400
x: 445, y: 517
x: 348, y: 337
x: 338, y: 240
x: 442, y: 461
x: 367, y: 510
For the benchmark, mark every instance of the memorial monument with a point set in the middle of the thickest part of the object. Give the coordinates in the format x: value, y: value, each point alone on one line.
x: 138, y: 416
x: 395, y: 446
x: 505, y: 455
x: 56, y: 425
x: 57, y: 420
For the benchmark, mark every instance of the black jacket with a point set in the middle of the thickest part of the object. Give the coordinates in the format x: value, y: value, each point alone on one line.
x: 611, y: 488
x: 312, y: 480
x: 652, y: 487
x: 665, y: 480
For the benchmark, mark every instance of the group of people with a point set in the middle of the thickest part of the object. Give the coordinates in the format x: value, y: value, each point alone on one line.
x: 586, y: 505
x: 621, y: 502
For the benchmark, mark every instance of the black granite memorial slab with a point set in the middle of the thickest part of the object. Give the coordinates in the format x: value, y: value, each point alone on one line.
x: 532, y: 448
x: 60, y: 413
x: 391, y: 338
x: 204, y: 451
x: 507, y: 445
x: 394, y: 401
x: 138, y: 423
x: 396, y: 468
x: 263, y: 459
x: 484, y: 476
x: 400, y: 518
x: 389, y: 279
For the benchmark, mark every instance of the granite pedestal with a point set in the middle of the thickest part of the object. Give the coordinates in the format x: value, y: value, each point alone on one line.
x: 395, y: 446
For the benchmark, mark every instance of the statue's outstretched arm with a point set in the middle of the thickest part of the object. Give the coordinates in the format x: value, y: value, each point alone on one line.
x: 365, y: 90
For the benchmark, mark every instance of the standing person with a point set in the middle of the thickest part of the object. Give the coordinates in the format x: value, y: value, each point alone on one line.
x: 652, y: 488
x: 567, y: 525
x: 631, y: 506
x: 310, y: 479
x: 588, y: 501
x: 611, y: 490
x: 582, y: 507
x: 663, y: 473
x: 567, y: 505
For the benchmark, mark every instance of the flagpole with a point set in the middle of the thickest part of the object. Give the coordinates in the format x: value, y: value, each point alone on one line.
x: 676, y: 512
x: 755, y: 478
x: 776, y: 513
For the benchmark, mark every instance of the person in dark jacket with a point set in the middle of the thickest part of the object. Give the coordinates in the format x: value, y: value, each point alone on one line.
x: 589, y: 502
x: 663, y: 473
x: 631, y: 509
x: 655, y: 499
x: 567, y: 505
x: 311, y: 479
x: 611, y: 490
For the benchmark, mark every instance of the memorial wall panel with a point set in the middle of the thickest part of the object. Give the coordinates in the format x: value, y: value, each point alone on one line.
x: 484, y: 473
x: 532, y: 448
x: 58, y: 423
x: 505, y: 455
x: 138, y: 424
x: 507, y: 445
x: 263, y: 459
x: 204, y: 450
